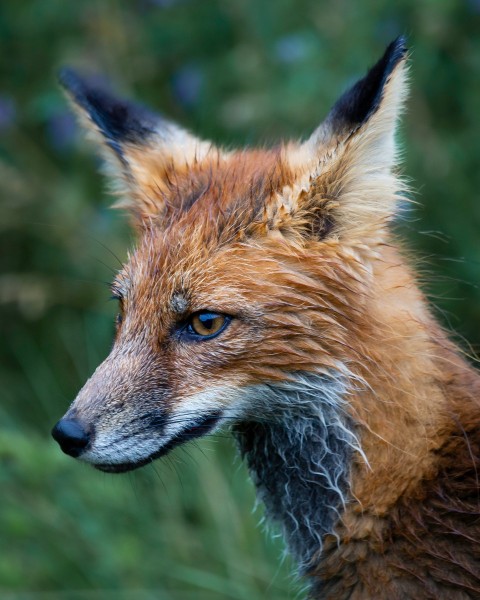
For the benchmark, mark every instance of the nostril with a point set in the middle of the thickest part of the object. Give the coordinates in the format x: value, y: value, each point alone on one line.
x: 71, y: 436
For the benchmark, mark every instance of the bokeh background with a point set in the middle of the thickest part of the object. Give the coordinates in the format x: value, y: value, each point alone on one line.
x: 239, y: 72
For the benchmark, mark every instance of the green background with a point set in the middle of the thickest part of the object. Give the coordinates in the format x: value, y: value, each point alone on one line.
x: 240, y: 72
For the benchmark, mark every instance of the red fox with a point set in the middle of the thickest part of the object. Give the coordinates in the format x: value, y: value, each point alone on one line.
x: 267, y: 294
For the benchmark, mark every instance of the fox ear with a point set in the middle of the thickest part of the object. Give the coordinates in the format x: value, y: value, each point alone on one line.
x: 347, y: 183
x: 140, y: 147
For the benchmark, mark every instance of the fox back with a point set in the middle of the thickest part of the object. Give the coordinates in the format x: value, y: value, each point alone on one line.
x: 267, y: 294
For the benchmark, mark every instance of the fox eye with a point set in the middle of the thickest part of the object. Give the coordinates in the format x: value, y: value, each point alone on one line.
x: 206, y: 325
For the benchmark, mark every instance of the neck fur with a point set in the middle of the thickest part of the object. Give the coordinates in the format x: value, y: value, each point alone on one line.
x: 298, y: 450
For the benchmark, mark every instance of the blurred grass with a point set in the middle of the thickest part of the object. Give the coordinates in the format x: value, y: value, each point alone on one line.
x: 75, y: 529
x: 237, y: 72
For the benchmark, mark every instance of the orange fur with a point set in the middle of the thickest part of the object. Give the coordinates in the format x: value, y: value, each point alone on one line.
x: 294, y: 244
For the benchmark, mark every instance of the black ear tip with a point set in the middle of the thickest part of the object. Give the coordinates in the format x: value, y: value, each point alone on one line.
x: 71, y: 81
x: 83, y: 88
x: 116, y: 118
x: 359, y: 103
x: 396, y: 51
x: 67, y: 77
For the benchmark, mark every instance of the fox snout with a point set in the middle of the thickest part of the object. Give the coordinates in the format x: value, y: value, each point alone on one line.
x: 72, y: 436
x: 126, y: 416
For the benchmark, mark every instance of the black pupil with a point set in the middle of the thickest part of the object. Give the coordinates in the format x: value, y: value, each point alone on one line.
x: 207, y: 320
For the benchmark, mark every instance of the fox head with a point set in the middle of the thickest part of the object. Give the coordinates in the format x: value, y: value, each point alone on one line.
x: 252, y: 269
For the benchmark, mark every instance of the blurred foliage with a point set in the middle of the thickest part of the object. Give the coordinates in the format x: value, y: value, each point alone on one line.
x: 241, y: 71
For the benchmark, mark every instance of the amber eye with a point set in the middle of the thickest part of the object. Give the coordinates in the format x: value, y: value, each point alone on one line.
x: 206, y: 324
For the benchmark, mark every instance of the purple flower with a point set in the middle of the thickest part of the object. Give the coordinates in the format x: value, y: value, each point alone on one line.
x: 61, y: 130
x: 147, y: 4
x: 187, y: 84
x: 474, y: 5
x: 291, y: 48
x: 8, y: 112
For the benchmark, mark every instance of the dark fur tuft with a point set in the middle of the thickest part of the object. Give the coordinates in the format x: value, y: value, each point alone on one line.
x: 118, y: 120
x: 358, y: 103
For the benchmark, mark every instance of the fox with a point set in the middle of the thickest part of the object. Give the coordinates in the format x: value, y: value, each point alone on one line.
x: 268, y: 294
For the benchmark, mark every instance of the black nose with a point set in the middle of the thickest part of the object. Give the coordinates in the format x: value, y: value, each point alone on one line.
x: 71, y: 436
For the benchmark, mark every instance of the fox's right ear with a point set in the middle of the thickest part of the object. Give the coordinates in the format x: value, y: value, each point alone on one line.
x: 140, y: 147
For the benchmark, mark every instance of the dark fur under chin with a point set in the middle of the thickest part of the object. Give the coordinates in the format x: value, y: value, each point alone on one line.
x: 299, y: 458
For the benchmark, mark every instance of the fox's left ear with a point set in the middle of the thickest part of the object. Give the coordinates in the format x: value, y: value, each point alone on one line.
x: 140, y: 147
x: 345, y: 170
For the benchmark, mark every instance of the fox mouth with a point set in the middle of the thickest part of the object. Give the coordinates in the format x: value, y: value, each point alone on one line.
x: 200, y: 428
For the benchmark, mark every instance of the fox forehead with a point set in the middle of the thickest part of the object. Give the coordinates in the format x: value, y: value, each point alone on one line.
x: 217, y: 190
x: 208, y: 207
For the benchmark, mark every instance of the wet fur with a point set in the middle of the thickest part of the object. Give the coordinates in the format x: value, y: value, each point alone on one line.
x: 358, y: 418
x: 299, y: 455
